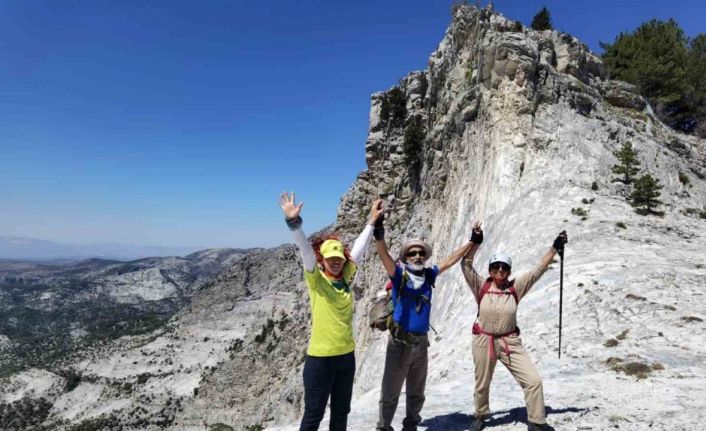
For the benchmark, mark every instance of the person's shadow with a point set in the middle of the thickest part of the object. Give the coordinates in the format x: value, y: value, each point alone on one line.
x: 462, y: 421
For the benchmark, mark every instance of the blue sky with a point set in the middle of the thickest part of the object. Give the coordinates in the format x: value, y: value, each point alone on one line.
x: 179, y: 123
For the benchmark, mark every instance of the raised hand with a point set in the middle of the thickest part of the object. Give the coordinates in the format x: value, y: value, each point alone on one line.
x: 377, y: 211
x: 477, y: 234
x: 559, y: 242
x: 290, y: 209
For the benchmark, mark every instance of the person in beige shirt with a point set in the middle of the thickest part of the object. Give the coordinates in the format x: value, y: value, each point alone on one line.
x: 496, y: 335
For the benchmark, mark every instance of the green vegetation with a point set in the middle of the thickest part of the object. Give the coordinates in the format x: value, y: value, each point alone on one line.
x: 222, y: 427
x: 412, y: 145
x: 25, y: 413
x: 621, y: 225
x: 644, y: 197
x: 267, y: 329
x: 691, y: 211
x: 683, y: 178
x: 579, y: 212
x: 623, y: 335
x: 594, y: 186
x: 611, y: 343
x: 628, y: 164
x: 542, y: 21
x: 668, y: 69
x: 393, y: 109
x: 42, y: 336
x: 640, y: 370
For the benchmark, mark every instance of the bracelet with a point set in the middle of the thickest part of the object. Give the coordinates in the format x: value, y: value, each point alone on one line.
x: 293, y: 223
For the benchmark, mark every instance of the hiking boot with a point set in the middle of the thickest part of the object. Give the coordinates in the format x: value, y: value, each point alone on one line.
x: 478, y: 424
x: 538, y: 427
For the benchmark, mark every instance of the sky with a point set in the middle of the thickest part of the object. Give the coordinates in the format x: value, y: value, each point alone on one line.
x: 179, y: 123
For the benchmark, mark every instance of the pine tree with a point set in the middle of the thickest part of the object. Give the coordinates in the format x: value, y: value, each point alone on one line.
x: 654, y: 58
x: 628, y: 166
x: 695, y: 73
x: 644, y: 197
x: 542, y: 21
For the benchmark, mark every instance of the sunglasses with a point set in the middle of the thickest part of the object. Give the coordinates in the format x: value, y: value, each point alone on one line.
x: 498, y: 266
x: 420, y: 253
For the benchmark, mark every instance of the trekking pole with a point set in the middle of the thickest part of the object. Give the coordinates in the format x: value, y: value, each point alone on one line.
x: 561, y: 293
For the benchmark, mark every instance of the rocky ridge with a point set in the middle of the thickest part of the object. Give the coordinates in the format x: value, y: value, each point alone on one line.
x: 510, y: 126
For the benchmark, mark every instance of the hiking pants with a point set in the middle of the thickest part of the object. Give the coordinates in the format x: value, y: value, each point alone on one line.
x: 520, y: 366
x: 324, y: 376
x: 402, y: 363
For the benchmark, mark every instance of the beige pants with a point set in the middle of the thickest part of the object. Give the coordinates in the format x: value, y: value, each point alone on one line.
x: 520, y: 366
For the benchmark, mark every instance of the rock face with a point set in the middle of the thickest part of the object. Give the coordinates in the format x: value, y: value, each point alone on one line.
x: 516, y: 129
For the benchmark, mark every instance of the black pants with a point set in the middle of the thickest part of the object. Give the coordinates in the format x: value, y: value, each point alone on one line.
x: 324, y: 376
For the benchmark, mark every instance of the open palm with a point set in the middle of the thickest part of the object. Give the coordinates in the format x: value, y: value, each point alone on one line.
x: 289, y: 207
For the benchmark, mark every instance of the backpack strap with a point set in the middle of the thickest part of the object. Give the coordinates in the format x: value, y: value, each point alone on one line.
x: 428, y: 279
x: 486, y: 287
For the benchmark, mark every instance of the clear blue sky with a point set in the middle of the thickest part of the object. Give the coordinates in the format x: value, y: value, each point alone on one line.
x: 179, y: 123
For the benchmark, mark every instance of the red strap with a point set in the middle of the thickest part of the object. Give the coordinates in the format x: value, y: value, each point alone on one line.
x: 486, y: 289
x: 491, y: 339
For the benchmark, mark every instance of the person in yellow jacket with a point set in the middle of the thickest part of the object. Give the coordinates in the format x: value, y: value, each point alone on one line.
x: 496, y: 335
x: 329, y: 366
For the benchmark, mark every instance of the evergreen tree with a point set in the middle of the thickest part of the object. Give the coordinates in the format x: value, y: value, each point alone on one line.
x: 628, y: 166
x: 654, y: 58
x: 644, y: 197
x: 412, y: 144
x: 394, y: 107
x: 696, y: 81
x: 542, y: 21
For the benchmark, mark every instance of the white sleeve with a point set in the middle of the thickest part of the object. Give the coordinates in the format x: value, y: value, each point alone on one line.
x: 361, y: 243
x: 305, y: 248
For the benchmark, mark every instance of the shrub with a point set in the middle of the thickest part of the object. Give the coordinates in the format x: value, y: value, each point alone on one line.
x: 73, y: 379
x: 517, y: 27
x: 683, y: 178
x: 394, y: 108
x: 594, y: 186
x: 611, y: 343
x: 579, y: 212
x: 222, y: 427
x: 412, y: 144
x: 621, y: 225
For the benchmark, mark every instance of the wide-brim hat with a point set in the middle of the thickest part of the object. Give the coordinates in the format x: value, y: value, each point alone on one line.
x: 414, y: 243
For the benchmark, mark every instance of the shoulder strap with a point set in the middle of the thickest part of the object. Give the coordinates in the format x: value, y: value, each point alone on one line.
x: 484, y: 290
x: 486, y: 287
x: 513, y: 291
x: 429, y: 277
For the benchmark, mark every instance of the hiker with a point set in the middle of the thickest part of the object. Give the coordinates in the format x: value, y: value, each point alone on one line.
x: 496, y: 335
x: 406, y: 356
x: 329, y: 366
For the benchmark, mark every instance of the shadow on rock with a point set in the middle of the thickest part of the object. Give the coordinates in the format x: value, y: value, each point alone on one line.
x: 462, y: 421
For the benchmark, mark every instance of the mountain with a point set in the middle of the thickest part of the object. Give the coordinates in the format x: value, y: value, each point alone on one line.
x: 511, y: 126
x: 18, y: 248
x: 53, y: 309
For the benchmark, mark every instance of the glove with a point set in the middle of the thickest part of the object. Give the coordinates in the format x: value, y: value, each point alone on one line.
x: 559, y: 243
x: 379, y: 228
x: 477, y: 236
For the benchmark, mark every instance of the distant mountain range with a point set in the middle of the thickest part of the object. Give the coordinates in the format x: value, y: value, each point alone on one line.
x: 12, y: 247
